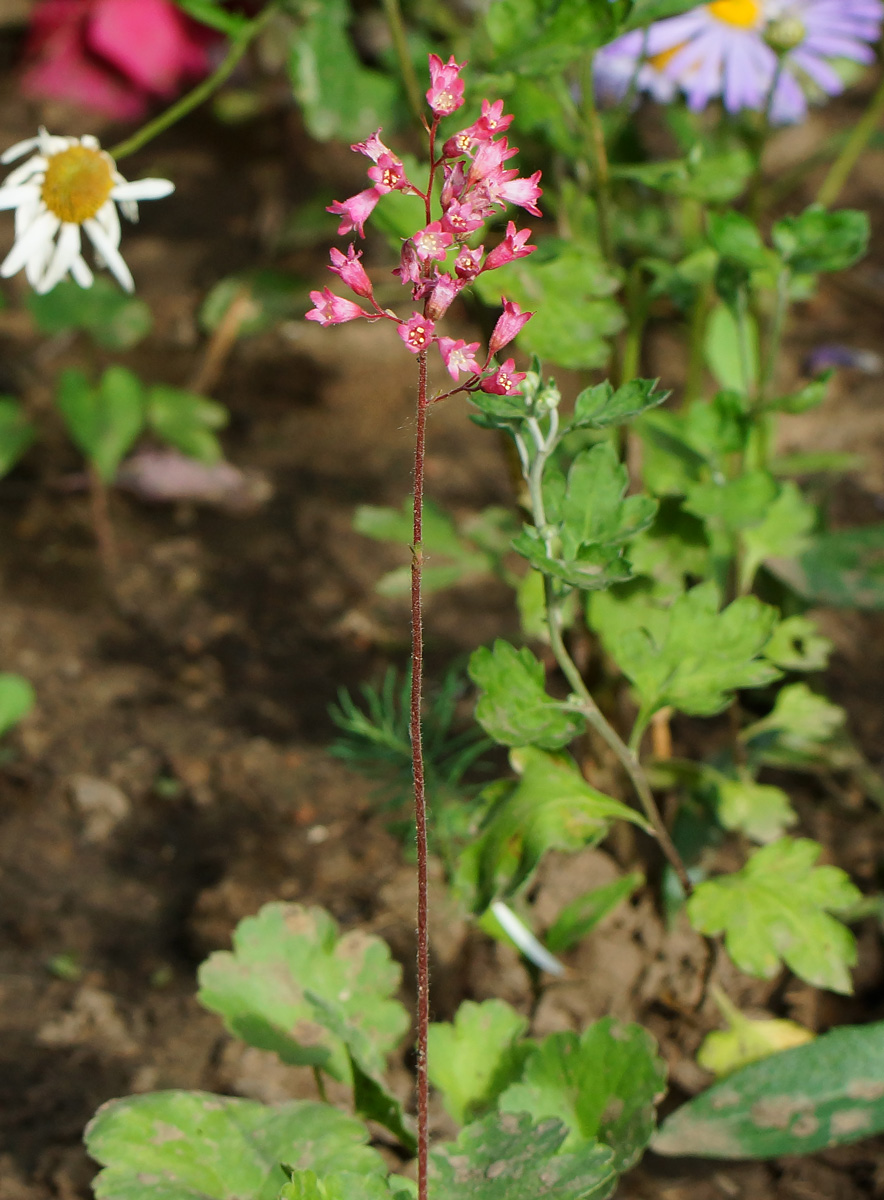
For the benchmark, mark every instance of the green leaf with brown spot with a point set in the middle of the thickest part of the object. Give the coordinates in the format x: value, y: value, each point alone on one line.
x: 285, y: 955
x: 196, y: 1146
x: 825, y: 1093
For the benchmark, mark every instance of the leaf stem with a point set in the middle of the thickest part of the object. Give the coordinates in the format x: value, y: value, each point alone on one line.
x: 593, y: 715
x: 239, y: 43
x: 852, y: 149
x: 420, y: 803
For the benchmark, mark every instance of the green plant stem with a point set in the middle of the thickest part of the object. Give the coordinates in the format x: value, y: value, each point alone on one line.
x: 420, y: 801
x: 744, y: 348
x: 637, y: 311
x: 239, y: 43
x: 852, y: 149
x: 593, y: 715
x: 600, y: 159
x: 320, y: 1085
x: 393, y: 13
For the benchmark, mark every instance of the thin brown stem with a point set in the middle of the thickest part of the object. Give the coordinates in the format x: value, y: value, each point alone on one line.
x: 420, y: 802
x: 103, y: 528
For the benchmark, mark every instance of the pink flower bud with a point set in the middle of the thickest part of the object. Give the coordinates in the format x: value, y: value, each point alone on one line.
x: 509, y: 323
x: 417, y: 333
x: 444, y: 290
x: 446, y: 87
x: 409, y: 269
x: 350, y: 270
x: 459, y: 355
x: 505, y: 381
x: 333, y: 310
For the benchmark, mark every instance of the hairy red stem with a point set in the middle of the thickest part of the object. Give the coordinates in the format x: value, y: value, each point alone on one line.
x: 420, y: 802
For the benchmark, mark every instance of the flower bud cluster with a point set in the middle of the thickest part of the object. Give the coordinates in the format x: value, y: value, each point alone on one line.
x: 438, y: 261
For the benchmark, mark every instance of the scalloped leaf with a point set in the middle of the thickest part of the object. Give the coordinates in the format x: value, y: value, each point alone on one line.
x: 473, y: 1060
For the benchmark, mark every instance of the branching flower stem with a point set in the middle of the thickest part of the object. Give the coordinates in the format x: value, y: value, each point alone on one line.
x: 593, y: 715
x: 420, y: 801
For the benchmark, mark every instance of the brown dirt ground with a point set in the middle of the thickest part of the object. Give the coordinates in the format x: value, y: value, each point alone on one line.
x: 173, y: 776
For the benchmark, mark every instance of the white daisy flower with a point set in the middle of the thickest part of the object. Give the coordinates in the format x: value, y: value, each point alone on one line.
x: 68, y: 183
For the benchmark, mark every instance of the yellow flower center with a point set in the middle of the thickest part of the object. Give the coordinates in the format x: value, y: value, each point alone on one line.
x: 661, y: 60
x: 745, y: 14
x: 78, y: 182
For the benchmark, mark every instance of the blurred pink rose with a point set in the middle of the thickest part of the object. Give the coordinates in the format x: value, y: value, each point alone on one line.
x: 112, y: 56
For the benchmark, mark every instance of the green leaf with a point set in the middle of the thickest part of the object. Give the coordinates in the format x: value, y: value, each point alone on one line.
x: 307, y: 1185
x: 340, y: 98
x: 580, y: 917
x: 195, y: 1146
x: 506, y: 1157
x: 604, y: 1085
x: 798, y: 730
x: 797, y: 645
x: 811, y: 395
x: 17, y: 698
x: 759, y: 810
x: 734, y: 364
x: 746, y: 1040
x: 103, y: 421
x: 596, y: 510
x: 600, y: 407
x: 210, y: 13
x: 568, y: 287
x: 819, y: 240
x: 590, y: 568
x: 733, y: 504
x: 737, y: 238
x: 113, y: 318
x: 345, y: 1185
x: 513, y: 706
x: 844, y: 569
x: 784, y: 532
x: 472, y: 1061
x: 551, y: 806
x: 644, y: 12
x: 776, y: 909
x: 261, y: 989
x: 701, y: 657
x: 825, y: 1093
x: 186, y: 421
x: 17, y: 433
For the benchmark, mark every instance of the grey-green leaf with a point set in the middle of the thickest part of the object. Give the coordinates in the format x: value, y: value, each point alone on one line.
x: 825, y: 1093
x: 514, y: 707
x: 507, y: 1157
x: 195, y: 1146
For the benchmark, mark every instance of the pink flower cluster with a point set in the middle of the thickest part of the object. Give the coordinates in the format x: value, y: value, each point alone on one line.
x: 475, y: 184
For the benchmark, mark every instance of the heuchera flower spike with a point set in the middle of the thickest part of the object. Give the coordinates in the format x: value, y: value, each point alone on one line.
x: 474, y: 184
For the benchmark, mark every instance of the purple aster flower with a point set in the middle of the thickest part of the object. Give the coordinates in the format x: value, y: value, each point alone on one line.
x: 812, y: 33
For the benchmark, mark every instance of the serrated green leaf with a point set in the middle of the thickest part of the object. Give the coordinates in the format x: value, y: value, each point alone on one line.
x: 195, y: 1146
x: 17, y: 433
x: 701, y: 657
x: 513, y: 706
x: 604, y: 1085
x: 507, y: 1157
x: 103, y: 421
x: 825, y: 1093
x: 797, y: 730
x: 776, y: 909
x: 595, y: 510
x: 472, y: 1061
x: 551, y: 806
x: 186, y: 421
x: 797, y: 645
x: 819, y: 240
x: 600, y: 407
x: 287, y: 950
x: 307, y: 1185
x: 580, y: 917
x: 17, y: 698
x: 591, y: 568
x: 759, y: 810
x: 784, y: 532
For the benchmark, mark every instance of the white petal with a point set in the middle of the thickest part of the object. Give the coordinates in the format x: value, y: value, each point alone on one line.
x: 12, y: 197
x: 20, y: 148
x: 89, y: 140
x: 27, y: 212
x: 109, y: 253
x: 109, y: 221
x: 143, y: 189
x: 35, y: 241
x: 34, y: 166
x: 81, y: 273
x: 67, y: 248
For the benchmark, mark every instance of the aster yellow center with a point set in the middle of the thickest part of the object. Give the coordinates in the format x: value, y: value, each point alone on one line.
x: 78, y: 182
x: 660, y: 61
x: 744, y: 14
